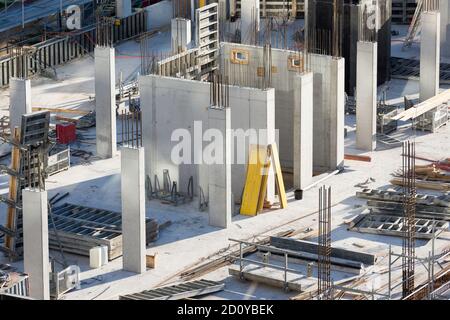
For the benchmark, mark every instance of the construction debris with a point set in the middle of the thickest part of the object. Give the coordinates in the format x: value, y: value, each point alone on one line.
x: 176, y: 292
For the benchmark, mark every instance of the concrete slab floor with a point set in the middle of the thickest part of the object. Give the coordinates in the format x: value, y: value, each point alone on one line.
x: 189, y: 240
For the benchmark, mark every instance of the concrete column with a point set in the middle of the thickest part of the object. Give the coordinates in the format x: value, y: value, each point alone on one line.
x: 336, y: 116
x: 444, y: 9
x: 20, y: 101
x: 35, y: 242
x: 123, y: 8
x: 181, y: 34
x: 133, y: 209
x: 105, y: 101
x: 303, y: 130
x: 249, y: 16
x: 219, y: 174
x: 366, y: 95
x: 429, y: 55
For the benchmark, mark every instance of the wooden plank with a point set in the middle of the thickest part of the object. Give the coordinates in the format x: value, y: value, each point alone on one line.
x: 273, y: 150
x: 254, y: 179
x: 13, y: 185
x: 356, y: 157
x: 424, y: 106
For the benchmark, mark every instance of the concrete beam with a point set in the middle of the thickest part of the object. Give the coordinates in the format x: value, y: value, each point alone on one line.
x: 303, y: 130
x: 133, y: 209
x: 105, y: 101
x: 20, y: 101
x: 366, y: 95
x: 219, y: 175
x: 429, y: 55
x: 35, y: 242
x: 123, y: 8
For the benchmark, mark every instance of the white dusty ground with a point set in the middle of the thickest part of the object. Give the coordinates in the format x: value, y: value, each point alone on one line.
x: 189, y: 240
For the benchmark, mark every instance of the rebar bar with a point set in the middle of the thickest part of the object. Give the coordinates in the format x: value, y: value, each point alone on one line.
x: 324, y: 245
x: 409, y: 214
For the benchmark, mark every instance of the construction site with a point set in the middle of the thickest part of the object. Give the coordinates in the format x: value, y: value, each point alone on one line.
x: 224, y: 150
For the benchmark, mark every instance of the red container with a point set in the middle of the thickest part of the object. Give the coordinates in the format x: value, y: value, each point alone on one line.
x: 66, y: 133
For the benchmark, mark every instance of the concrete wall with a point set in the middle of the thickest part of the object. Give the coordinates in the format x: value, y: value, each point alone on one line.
x: 35, y: 240
x: 329, y: 108
x: 429, y: 55
x: 329, y: 100
x: 170, y: 103
x: 303, y: 130
x: 282, y: 82
x: 105, y: 101
x: 20, y: 101
x: 366, y: 89
x: 159, y: 15
x: 444, y: 9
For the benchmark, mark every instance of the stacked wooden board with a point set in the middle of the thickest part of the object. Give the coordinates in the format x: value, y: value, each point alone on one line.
x: 80, y: 228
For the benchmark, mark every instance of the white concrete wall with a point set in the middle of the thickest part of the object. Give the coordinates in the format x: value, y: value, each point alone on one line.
x: 35, y: 242
x: 105, y: 101
x: 366, y: 95
x: 165, y: 109
x: 429, y: 55
x: 329, y: 108
x: 303, y: 130
x: 133, y: 209
x: 123, y: 8
x: 329, y: 99
x: 20, y: 101
x: 249, y: 16
x: 181, y: 34
x: 444, y: 9
x: 159, y: 15
x: 282, y: 82
x: 219, y: 175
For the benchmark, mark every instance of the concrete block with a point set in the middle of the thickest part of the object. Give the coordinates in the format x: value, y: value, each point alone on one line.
x: 181, y: 34
x: 219, y: 185
x: 303, y: 130
x: 366, y: 95
x: 105, y: 101
x: 35, y: 242
x: 20, y: 101
x: 429, y: 55
x: 123, y: 8
x: 133, y: 209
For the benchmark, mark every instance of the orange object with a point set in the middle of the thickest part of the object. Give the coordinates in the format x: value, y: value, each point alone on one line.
x: 357, y: 158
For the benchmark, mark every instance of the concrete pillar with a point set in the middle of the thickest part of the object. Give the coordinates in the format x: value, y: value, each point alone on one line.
x: 429, y: 55
x: 249, y: 17
x: 366, y: 95
x: 181, y: 34
x: 133, y: 209
x: 35, y: 242
x: 20, y: 101
x: 303, y: 130
x: 336, y: 115
x: 105, y: 101
x: 219, y: 174
x: 444, y: 9
x: 123, y: 8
